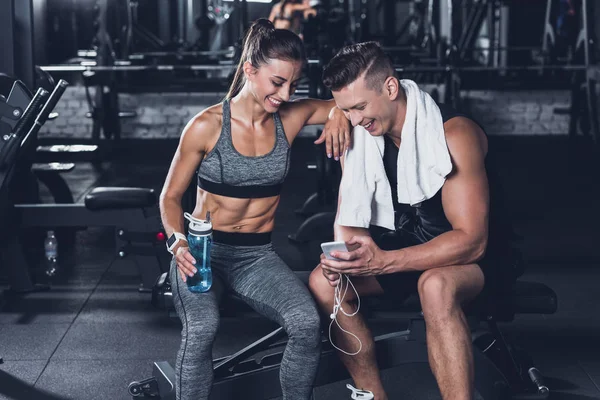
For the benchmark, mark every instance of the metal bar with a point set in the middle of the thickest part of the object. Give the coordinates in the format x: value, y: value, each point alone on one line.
x: 525, y: 68
x: 24, y: 61
x: 7, y: 38
x: 140, y: 56
x: 199, y: 67
x: 392, y: 350
x: 477, y: 68
x: 223, y: 365
x: 128, y: 68
x: 56, y: 215
x: 507, y: 48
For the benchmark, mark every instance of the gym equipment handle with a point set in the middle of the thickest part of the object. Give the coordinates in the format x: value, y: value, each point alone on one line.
x: 538, y: 380
x: 13, y: 142
x: 57, y: 93
x: 32, y: 109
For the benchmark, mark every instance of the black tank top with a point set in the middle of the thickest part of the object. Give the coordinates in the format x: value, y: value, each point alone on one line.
x: 428, y: 220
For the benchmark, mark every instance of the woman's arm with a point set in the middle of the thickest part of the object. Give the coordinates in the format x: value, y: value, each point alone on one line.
x: 299, y: 7
x: 189, y: 154
x: 274, y: 12
x: 297, y: 114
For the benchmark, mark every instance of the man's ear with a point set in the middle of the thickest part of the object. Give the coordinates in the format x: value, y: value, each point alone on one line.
x: 392, y: 87
x: 249, y: 70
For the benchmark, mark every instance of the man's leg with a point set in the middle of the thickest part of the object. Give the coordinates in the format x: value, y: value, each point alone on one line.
x: 443, y: 291
x: 362, y: 366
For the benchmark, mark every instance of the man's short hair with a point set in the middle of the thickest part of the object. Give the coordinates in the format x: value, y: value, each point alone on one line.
x: 354, y: 60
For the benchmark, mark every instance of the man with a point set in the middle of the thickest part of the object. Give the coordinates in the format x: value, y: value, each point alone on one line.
x: 438, y: 251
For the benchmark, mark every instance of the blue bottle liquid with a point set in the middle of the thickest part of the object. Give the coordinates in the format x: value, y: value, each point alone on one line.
x: 199, y: 242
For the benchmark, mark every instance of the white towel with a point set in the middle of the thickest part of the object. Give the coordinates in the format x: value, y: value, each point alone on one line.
x: 423, y: 164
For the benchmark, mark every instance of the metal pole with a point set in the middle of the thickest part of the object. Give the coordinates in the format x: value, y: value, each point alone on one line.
x: 7, y: 41
x: 24, y: 65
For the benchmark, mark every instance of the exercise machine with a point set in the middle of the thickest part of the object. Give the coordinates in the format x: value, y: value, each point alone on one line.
x: 572, y: 40
x: 131, y: 211
x: 502, y: 370
x: 21, y: 117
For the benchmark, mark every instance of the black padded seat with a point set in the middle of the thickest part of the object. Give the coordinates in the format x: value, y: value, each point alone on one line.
x: 118, y: 198
x: 533, y: 298
x: 522, y: 298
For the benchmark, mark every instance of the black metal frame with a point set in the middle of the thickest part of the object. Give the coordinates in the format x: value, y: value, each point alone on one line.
x: 243, y: 376
x: 17, y: 47
x: 14, y: 148
x: 135, y: 230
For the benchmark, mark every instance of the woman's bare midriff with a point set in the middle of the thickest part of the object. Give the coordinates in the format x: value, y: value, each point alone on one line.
x: 237, y: 215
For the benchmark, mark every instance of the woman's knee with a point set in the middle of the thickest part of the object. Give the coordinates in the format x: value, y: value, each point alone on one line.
x: 304, y: 325
x: 201, y: 333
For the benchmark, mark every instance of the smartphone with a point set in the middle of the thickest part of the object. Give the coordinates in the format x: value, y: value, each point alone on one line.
x: 328, y: 247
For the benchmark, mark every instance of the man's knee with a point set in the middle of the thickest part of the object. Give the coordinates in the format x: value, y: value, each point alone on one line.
x: 320, y: 287
x: 437, y: 293
x: 444, y: 290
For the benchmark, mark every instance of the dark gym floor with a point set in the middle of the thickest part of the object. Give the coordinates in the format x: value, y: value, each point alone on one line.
x: 93, y: 333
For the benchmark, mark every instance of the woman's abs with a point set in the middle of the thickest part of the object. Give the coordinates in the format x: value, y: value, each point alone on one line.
x: 230, y: 214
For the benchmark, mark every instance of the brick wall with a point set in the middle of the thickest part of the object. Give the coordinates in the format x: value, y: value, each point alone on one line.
x: 163, y: 115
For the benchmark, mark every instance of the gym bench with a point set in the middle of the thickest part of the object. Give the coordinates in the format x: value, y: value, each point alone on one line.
x: 133, y: 212
x: 501, y: 371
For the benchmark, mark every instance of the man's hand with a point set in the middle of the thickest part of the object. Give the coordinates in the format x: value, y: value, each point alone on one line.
x: 333, y: 278
x: 336, y: 134
x: 366, y: 260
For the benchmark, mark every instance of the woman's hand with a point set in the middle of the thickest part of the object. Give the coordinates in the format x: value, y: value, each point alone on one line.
x: 336, y: 134
x: 185, y: 262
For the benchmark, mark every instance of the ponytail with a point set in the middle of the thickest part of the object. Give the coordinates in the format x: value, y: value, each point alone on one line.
x: 262, y: 43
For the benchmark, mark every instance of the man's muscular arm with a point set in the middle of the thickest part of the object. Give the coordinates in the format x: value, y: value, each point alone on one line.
x: 465, y: 199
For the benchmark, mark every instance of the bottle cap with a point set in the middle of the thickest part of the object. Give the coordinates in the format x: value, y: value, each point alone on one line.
x: 198, y: 227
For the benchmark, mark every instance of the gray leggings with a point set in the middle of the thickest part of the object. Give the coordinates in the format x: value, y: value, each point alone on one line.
x: 265, y: 282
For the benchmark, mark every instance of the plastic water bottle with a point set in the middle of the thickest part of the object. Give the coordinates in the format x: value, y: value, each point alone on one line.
x: 199, y: 242
x: 51, y: 250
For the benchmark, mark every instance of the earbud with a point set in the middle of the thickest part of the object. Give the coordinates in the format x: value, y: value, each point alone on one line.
x: 332, y: 316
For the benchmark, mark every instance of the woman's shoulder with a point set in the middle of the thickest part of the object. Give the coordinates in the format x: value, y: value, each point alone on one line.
x: 210, y: 117
x: 206, y: 124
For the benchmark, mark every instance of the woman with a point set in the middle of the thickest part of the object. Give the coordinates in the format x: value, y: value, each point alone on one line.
x: 289, y: 14
x: 242, y: 148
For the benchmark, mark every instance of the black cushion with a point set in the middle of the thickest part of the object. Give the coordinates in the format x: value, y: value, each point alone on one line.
x: 533, y: 298
x: 111, y: 198
x: 521, y: 298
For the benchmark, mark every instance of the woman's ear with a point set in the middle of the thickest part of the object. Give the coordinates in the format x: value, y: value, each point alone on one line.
x: 249, y: 70
x: 392, y: 87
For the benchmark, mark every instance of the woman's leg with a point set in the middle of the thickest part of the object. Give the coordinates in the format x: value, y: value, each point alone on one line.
x: 273, y: 290
x: 199, y: 314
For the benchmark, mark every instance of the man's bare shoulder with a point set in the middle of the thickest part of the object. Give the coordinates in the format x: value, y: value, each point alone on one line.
x: 465, y: 135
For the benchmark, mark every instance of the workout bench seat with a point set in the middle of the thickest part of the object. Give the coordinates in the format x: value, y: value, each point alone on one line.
x: 524, y: 297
